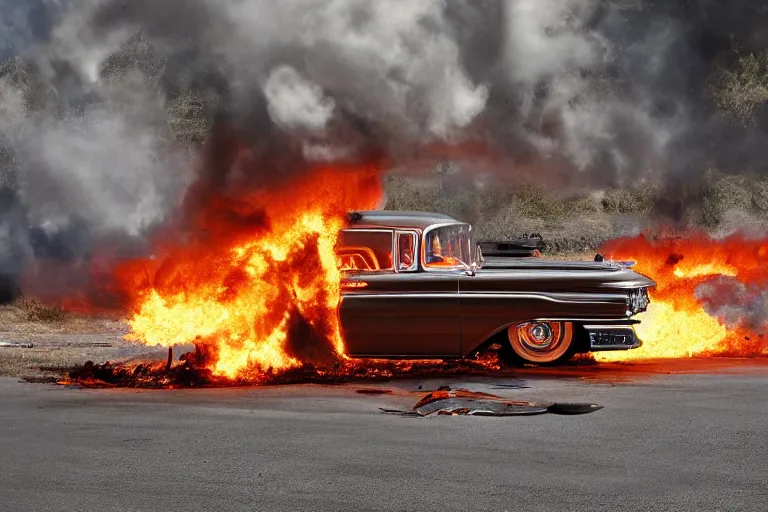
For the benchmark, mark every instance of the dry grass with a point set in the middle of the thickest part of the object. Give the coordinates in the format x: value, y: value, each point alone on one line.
x: 569, y: 223
x: 33, y: 310
x: 43, y: 363
x: 582, y: 221
x: 30, y: 317
x: 51, y: 357
x: 60, y: 340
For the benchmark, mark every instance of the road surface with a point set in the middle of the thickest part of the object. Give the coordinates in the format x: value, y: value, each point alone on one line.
x: 665, y: 442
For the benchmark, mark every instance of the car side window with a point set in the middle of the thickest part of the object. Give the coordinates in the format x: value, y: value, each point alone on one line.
x: 369, y: 250
x: 406, y: 251
x: 447, y: 247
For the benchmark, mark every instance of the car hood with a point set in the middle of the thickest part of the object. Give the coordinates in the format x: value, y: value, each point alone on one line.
x: 547, y: 264
x: 554, y: 275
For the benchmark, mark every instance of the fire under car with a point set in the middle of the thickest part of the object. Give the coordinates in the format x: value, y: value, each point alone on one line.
x: 416, y: 286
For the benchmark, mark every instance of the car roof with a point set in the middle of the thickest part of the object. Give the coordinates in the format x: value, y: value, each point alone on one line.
x: 398, y: 220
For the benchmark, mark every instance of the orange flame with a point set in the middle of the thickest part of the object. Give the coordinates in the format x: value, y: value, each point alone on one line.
x: 261, y: 280
x: 695, y: 278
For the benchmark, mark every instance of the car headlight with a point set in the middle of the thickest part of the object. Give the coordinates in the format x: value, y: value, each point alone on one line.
x: 637, y: 300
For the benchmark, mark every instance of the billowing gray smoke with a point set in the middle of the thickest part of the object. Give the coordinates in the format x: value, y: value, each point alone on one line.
x: 102, y: 111
x: 736, y: 305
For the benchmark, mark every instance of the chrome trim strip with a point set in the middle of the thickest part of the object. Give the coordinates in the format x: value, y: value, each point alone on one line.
x: 574, y: 297
x: 554, y: 297
x: 609, y: 323
x: 387, y: 227
x: 603, y: 327
x: 396, y: 255
x: 624, y: 285
x: 626, y: 330
x: 422, y: 357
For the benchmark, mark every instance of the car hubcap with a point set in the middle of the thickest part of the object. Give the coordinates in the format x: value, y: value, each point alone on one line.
x: 541, y: 342
x: 538, y: 336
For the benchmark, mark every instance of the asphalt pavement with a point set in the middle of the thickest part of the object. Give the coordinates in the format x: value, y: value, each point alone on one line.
x: 665, y: 442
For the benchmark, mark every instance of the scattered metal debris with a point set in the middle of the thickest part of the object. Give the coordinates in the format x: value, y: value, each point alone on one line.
x: 373, y: 391
x: 5, y: 344
x: 462, y: 402
x: 572, y: 408
x: 516, y: 384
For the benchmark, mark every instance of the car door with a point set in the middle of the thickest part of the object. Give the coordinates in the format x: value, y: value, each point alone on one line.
x: 401, y: 312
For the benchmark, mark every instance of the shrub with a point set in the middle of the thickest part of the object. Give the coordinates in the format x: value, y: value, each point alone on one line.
x: 629, y: 201
x: 37, y: 311
x: 759, y: 190
x: 741, y: 90
x: 722, y: 193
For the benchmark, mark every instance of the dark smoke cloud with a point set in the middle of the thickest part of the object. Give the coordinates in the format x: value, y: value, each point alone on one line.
x: 585, y: 92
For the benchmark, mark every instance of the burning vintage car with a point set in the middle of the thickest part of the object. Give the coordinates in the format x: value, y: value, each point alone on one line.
x: 416, y: 285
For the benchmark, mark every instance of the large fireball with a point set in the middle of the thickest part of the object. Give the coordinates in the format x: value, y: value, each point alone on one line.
x: 255, y: 287
x: 709, y: 299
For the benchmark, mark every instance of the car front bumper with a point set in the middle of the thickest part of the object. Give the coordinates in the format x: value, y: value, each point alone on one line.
x: 612, y: 337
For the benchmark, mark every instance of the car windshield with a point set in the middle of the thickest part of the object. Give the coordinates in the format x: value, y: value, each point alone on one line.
x: 447, y: 246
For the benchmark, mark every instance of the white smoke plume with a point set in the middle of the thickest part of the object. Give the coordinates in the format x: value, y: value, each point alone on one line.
x: 98, y: 158
x: 295, y: 103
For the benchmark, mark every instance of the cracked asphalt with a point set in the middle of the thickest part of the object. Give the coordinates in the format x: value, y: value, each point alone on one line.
x: 662, y: 442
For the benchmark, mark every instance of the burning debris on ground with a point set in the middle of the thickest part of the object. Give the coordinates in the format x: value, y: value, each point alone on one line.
x: 186, y: 374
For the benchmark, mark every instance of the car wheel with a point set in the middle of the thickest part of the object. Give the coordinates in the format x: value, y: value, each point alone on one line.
x: 542, y: 342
